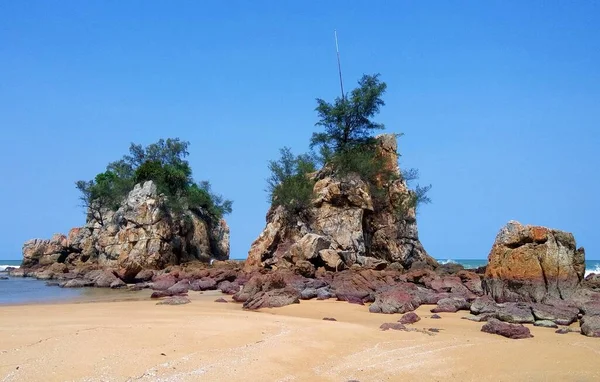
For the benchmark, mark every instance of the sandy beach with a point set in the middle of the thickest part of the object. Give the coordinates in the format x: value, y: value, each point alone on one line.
x: 205, y: 340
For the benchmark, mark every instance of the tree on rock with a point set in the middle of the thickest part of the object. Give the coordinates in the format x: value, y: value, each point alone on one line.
x: 346, y: 145
x: 348, y: 121
x: 163, y: 163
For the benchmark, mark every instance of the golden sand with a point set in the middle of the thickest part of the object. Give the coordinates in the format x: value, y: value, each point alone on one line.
x: 209, y: 341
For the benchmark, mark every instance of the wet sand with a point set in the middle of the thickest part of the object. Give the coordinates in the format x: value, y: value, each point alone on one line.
x: 141, y: 341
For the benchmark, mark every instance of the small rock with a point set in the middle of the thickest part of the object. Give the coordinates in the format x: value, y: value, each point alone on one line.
x: 545, y: 324
x: 392, y: 325
x: 175, y: 300
x: 165, y: 293
x: 434, y: 330
x: 479, y: 317
x: 409, y: 318
x: 329, y: 319
x: 3, y: 277
x: 435, y: 316
x: 563, y: 330
x: 221, y: 299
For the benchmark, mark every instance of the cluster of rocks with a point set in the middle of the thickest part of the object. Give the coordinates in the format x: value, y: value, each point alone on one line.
x: 348, y: 246
x: 346, y: 226
x: 142, y: 234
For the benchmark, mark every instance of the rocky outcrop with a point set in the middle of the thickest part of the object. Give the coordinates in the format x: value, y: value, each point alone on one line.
x: 142, y: 234
x: 529, y: 263
x: 345, y: 226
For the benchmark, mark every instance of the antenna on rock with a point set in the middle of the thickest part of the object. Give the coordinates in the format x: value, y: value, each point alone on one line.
x: 337, y: 49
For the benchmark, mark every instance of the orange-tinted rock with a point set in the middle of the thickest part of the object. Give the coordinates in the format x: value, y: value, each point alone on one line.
x: 531, y: 263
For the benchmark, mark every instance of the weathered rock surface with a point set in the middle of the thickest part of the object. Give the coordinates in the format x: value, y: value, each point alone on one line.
x: 392, y: 325
x: 141, y: 236
x: 409, y: 318
x: 513, y: 331
x: 394, y: 301
x: 546, y: 324
x: 175, y: 300
x: 529, y: 263
x: 343, y: 227
x: 590, y: 326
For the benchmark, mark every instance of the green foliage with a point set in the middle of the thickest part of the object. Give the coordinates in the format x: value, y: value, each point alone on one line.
x: 346, y: 145
x: 348, y: 121
x: 162, y: 162
x: 290, y: 184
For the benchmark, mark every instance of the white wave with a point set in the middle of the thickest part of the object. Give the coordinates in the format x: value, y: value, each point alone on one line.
x: 595, y: 270
x: 448, y: 261
x: 4, y: 266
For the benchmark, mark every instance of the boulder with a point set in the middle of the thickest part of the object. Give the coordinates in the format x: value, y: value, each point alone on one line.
x: 163, y: 281
x: 513, y: 331
x: 516, y: 313
x: 180, y: 287
x: 592, y: 281
x: 228, y: 287
x: 308, y: 294
x: 394, y: 301
x: 484, y: 304
x: 561, y: 315
x: 530, y: 263
x: 102, y: 279
x: 451, y: 305
x: 590, y: 326
x: 273, y: 299
x: 44, y: 252
x: 144, y: 275
x: 409, y: 318
x: 205, y: 283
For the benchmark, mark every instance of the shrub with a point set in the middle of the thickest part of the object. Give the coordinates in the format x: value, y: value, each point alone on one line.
x: 163, y: 163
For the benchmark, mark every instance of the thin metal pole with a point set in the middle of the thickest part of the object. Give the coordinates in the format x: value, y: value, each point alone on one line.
x: 337, y: 49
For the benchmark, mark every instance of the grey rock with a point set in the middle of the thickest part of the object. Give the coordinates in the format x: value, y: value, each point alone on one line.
x: 545, y: 324
x: 590, y: 326
x: 174, y: 300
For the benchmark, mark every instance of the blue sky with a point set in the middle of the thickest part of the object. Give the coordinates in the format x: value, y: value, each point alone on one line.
x: 499, y: 102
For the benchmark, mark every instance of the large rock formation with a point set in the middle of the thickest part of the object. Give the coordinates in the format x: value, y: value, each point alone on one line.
x: 345, y: 226
x: 141, y: 234
x: 531, y: 264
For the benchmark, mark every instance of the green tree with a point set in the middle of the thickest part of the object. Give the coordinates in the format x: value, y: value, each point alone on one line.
x: 346, y: 145
x: 163, y: 163
x: 348, y: 121
x: 290, y: 184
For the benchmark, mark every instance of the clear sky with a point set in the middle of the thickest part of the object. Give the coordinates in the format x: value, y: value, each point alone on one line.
x: 499, y: 102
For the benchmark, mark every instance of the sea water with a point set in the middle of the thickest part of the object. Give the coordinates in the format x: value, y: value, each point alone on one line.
x: 591, y: 266
x: 22, y: 290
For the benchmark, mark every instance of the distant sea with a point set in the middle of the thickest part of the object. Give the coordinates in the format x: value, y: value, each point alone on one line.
x: 591, y: 266
x: 18, y: 290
